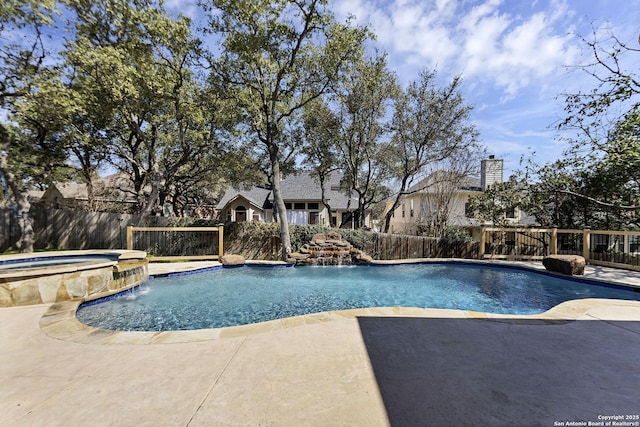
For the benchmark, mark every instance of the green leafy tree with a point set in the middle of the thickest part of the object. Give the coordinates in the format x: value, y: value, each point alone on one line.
x: 163, y: 126
x: 362, y: 100
x: 603, y: 154
x: 276, y: 57
x: 118, y: 49
x: 432, y: 125
x: 321, y: 128
x: 21, y: 61
x: 496, y: 203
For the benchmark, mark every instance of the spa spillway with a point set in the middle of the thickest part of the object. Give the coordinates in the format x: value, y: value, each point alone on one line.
x: 50, y: 277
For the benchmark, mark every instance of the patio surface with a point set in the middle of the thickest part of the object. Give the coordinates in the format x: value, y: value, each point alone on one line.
x: 579, y: 362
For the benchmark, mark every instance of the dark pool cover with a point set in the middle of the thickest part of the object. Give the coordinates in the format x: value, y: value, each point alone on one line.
x: 507, y: 372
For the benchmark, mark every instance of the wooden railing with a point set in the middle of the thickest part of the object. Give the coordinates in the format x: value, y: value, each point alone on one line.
x: 619, y: 249
x: 173, y: 243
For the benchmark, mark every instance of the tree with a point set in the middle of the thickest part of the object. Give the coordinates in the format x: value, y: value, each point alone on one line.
x: 431, y: 125
x: 595, y: 112
x: 21, y: 60
x: 277, y: 56
x: 321, y: 128
x: 362, y: 99
x: 437, y: 193
x: 603, y: 155
x: 163, y: 126
x: 497, y: 202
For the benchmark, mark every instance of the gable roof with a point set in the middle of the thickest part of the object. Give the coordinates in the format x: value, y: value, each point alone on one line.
x: 304, y: 186
x: 257, y: 196
x: 296, y: 187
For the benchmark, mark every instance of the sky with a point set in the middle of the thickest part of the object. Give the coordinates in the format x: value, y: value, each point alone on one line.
x: 516, y: 58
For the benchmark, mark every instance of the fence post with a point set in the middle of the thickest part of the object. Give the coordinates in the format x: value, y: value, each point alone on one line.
x: 554, y: 241
x: 482, y: 243
x: 220, y: 241
x: 586, y: 244
x: 129, y: 237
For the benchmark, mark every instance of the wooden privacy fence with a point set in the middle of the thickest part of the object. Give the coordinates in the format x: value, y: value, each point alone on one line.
x: 169, y: 243
x: 385, y: 246
x: 66, y: 229
x: 620, y: 249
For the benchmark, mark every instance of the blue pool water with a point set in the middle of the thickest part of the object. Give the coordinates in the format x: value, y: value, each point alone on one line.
x: 228, y: 297
x: 39, y: 262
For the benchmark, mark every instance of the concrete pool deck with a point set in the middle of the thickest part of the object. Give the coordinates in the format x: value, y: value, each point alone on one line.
x: 579, y: 362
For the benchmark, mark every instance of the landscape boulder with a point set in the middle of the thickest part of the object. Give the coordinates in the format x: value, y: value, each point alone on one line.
x: 318, y: 238
x: 566, y: 264
x: 332, y: 235
x: 232, y: 260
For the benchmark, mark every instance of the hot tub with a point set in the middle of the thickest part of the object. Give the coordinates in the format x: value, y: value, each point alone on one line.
x: 49, y: 277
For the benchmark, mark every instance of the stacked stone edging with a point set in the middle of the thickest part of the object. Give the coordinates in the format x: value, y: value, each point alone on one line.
x: 50, y: 286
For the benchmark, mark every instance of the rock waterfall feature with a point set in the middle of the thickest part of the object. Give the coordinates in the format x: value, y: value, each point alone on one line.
x: 329, y: 249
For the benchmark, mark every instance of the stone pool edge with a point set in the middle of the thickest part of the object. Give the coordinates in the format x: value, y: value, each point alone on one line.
x: 60, y: 320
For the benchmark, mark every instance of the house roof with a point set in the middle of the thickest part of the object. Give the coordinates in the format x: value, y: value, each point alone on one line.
x: 468, y: 183
x: 295, y: 187
x: 111, y: 187
x: 257, y: 196
x: 303, y: 186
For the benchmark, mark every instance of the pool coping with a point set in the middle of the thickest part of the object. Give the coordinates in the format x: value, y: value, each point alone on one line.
x: 104, y: 258
x: 60, y: 321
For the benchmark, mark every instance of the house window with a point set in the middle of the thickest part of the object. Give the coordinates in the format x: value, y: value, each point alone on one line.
x: 287, y: 206
x: 313, y: 206
x: 511, y: 213
x: 299, y: 206
x: 314, y: 218
x: 256, y: 216
x: 241, y: 214
x: 468, y: 212
x: 403, y: 210
x: 229, y: 215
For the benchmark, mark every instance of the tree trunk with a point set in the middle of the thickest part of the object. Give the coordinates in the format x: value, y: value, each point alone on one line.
x: 91, y: 203
x: 22, y: 205
x: 396, y: 203
x: 325, y: 201
x: 26, y: 227
x: 152, y: 200
x: 281, y: 211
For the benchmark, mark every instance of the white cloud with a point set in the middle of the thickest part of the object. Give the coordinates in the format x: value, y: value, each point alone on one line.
x: 487, y: 40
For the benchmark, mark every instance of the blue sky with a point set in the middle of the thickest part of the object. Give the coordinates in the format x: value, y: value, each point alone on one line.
x: 515, y: 57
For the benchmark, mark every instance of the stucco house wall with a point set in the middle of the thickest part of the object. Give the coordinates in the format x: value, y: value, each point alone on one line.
x: 415, y: 209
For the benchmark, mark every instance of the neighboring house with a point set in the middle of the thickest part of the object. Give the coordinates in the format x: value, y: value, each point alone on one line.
x: 110, y: 195
x: 440, y: 193
x: 302, y: 198
x: 431, y: 198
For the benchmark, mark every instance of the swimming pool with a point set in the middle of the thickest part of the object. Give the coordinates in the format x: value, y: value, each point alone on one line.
x: 230, y: 297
